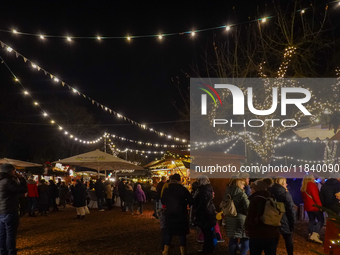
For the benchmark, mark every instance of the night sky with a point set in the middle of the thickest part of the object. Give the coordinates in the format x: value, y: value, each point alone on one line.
x: 132, y: 78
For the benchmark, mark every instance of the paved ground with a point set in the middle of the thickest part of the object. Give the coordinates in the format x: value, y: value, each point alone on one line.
x: 114, y: 232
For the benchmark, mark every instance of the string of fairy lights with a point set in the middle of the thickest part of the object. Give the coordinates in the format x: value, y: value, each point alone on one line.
x: 160, y: 36
x: 94, y: 102
x: 45, y: 115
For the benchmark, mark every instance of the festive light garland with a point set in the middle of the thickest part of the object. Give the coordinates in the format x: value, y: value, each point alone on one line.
x: 160, y: 36
x: 45, y: 114
x: 201, y: 145
x: 302, y: 160
x: 94, y: 102
x: 148, y: 144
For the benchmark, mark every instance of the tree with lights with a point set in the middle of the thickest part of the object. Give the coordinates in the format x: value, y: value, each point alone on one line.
x: 293, y: 45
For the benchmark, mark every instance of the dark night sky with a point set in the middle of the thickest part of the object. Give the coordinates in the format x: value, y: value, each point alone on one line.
x: 132, y: 78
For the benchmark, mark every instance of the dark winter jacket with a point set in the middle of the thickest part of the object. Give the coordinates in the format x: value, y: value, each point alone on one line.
x: 63, y: 190
x: 121, y: 189
x: 100, y: 189
x: 176, y: 199
x: 327, y: 195
x: 129, y: 196
x: 159, y: 188
x: 253, y: 224
x: 288, y: 219
x: 79, y: 195
x: 53, y: 191
x: 43, y: 194
x: 10, y: 191
x: 204, y: 208
x: 235, y: 225
x: 140, y: 195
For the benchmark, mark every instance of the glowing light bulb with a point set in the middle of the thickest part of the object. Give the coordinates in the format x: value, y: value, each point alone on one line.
x: 45, y: 114
x: 56, y: 79
x: 69, y: 39
x: 303, y: 11
x: 66, y: 133
x: 25, y: 92
x: 9, y: 49
x: 52, y: 121
x: 227, y: 28
x: 42, y: 37
x: 15, y: 32
x: 128, y: 38
x: 36, y: 103
x: 160, y: 37
x: 99, y: 38
x: 74, y: 90
x: 34, y: 65
x: 60, y: 128
x: 16, y: 79
x: 264, y: 20
x: 192, y: 33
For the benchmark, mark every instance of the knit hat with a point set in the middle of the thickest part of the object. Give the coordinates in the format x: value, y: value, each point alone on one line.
x: 7, y: 168
x: 259, y: 185
x: 244, y: 175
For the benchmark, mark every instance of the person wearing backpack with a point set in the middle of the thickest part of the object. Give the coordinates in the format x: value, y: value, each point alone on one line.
x: 310, y: 195
x: 205, y: 212
x: 235, y: 224
x: 281, y: 194
x: 262, y: 237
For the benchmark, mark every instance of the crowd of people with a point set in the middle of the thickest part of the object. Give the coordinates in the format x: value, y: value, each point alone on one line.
x: 256, y: 211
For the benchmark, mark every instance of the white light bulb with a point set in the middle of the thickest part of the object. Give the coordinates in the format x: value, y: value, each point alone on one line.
x: 9, y: 49
x: 42, y: 37
x: 66, y: 133
x: 15, y: 32
x: 74, y: 90
x: 192, y: 33
x: 25, y: 92
x: 227, y: 28
x: 45, y: 114
x: 35, y: 103
x: 69, y: 39
x: 56, y: 79
x: 303, y: 11
x: 60, y: 128
x: 52, y: 121
x: 128, y: 38
x: 99, y: 38
x: 34, y: 65
x: 16, y: 79
x: 264, y: 20
x: 160, y: 37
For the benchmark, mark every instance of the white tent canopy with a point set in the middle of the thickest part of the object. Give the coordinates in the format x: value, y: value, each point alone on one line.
x: 314, y: 132
x: 18, y: 163
x: 99, y: 160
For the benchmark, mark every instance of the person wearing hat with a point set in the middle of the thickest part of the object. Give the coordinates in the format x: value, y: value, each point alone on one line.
x: 12, y: 185
x: 328, y: 193
x: 261, y: 237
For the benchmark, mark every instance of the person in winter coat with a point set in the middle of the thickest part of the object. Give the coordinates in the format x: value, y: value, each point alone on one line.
x: 44, y: 199
x: 235, y: 225
x: 245, y: 176
x: 100, y: 193
x: 79, y: 198
x: 261, y: 237
x: 328, y: 191
x: 122, y: 191
x: 281, y: 194
x: 155, y: 198
x: 205, y: 212
x: 63, y: 192
x: 140, y: 197
x: 109, y: 194
x: 11, y: 186
x: 32, y: 195
x: 53, y: 194
x: 176, y: 199
x: 129, y: 198
x: 310, y: 195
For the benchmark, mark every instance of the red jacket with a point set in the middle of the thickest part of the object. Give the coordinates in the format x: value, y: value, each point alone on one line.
x: 32, y: 189
x: 313, y: 197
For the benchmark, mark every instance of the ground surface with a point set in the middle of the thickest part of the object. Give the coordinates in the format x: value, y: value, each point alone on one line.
x: 114, y: 232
